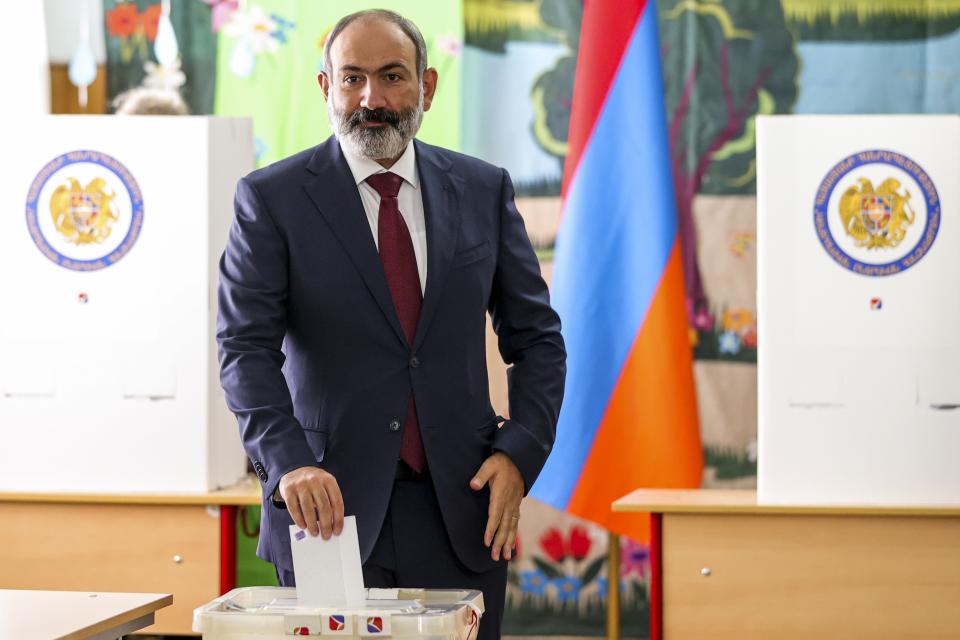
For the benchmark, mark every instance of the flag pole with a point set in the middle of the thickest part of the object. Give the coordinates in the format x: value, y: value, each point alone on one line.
x: 613, y: 586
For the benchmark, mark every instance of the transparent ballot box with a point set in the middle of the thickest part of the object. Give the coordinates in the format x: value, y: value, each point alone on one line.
x: 273, y: 613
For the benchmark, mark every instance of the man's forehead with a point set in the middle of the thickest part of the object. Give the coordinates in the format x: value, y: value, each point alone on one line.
x: 371, y: 43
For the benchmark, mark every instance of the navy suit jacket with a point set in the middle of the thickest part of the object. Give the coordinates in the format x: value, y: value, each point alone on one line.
x: 316, y: 366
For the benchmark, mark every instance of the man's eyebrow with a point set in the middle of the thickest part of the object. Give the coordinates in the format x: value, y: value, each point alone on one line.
x: 358, y: 69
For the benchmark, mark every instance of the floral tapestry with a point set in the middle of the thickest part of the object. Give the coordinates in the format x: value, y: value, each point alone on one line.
x: 130, y: 29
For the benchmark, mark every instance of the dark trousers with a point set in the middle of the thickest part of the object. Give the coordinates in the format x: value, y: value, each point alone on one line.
x: 413, y: 551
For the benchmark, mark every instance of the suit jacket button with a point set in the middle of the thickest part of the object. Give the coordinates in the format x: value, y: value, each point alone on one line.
x: 394, y: 425
x: 263, y: 476
x: 414, y: 362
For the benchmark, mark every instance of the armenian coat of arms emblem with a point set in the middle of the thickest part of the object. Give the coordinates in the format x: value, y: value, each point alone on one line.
x: 877, y: 213
x: 876, y: 218
x: 84, y: 210
x: 84, y: 214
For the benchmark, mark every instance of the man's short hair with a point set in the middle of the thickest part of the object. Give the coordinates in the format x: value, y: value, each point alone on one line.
x: 392, y: 17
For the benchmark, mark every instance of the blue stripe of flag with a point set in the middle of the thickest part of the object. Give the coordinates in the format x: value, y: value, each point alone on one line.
x: 618, y: 228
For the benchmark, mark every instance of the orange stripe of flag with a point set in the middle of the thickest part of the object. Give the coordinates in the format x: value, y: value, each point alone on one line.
x: 649, y: 436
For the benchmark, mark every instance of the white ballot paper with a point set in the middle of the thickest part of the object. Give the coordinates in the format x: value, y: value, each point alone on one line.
x: 328, y: 572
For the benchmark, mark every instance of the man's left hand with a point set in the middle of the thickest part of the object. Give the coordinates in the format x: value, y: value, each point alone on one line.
x: 506, y: 492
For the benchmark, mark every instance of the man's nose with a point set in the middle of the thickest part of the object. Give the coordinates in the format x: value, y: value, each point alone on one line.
x: 373, y: 97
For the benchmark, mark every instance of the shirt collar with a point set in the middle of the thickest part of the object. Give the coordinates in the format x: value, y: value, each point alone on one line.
x: 406, y: 167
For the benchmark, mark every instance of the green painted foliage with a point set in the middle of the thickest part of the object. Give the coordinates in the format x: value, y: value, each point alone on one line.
x: 729, y: 463
x: 722, y: 62
x: 848, y: 27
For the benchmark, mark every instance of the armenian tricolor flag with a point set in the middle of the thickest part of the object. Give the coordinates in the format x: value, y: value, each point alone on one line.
x: 629, y: 416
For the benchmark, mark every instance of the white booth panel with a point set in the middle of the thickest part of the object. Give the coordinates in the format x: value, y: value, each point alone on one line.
x: 110, y: 239
x: 859, y: 309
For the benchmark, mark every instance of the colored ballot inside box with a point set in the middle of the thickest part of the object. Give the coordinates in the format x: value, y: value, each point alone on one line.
x: 273, y: 613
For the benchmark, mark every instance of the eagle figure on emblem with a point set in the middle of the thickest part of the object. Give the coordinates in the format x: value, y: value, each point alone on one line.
x: 83, y: 215
x: 876, y: 218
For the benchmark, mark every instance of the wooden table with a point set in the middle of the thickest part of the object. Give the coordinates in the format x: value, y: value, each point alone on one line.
x: 723, y: 566
x: 66, y: 615
x: 184, y: 544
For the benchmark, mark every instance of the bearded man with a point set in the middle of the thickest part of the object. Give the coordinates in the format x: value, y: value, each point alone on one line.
x: 353, y: 297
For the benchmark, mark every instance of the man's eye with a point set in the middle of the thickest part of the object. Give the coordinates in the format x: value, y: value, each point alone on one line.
x: 393, y: 77
x: 351, y: 79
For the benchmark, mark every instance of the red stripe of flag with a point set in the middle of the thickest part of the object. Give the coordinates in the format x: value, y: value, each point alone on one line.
x: 596, y: 68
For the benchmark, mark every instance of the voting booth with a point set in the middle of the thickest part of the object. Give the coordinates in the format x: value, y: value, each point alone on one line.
x: 859, y: 309
x: 110, y: 237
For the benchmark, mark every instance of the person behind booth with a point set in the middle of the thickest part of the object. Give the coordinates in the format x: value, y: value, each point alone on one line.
x: 148, y: 101
x: 353, y: 297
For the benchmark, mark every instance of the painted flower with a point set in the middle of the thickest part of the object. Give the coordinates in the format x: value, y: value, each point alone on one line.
x: 729, y: 342
x: 449, y: 45
x: 283, y: 25
x: 533, y: 582
x: 568, y: 588
x: 122, y: 20
x: 553, y: 545
x: 737, y: 320
x: 150, y: 20
x: 742, y: 243
x: 220, y: 12
x: 322, y: 40
x: 749, y: 338
x: 702, y: 320
x: 255, y: 28
x: 579, y: 543
x: 161, y: 77
x: 634, y: 558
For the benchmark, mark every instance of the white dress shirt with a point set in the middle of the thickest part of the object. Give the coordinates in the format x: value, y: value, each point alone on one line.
x: 410, y: 201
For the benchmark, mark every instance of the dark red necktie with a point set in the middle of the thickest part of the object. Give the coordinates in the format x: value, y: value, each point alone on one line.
x: 400, y: 267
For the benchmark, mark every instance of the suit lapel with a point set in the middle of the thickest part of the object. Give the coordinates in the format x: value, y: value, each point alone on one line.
x: 442, y: 192
x: 335, y: 194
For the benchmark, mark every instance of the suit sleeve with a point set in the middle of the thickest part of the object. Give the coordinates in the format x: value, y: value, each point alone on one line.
x: 528, y: 333
x: 251, y: 324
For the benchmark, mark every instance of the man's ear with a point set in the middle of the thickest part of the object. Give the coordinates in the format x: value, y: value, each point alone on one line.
x: 324, y: 82
x: 429, y: 87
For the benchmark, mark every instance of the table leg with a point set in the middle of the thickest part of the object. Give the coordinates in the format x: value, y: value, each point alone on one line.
x: 228, y: 548
x: 656, y: 577
x: 613, y: 586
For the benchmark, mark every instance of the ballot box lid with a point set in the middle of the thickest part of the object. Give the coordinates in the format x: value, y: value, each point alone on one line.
x: 273, y: 613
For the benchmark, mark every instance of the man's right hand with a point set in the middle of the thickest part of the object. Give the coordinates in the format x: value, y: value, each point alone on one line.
x: 313, y: 500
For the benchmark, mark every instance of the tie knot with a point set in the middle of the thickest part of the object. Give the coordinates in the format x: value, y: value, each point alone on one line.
x: 387, y: 184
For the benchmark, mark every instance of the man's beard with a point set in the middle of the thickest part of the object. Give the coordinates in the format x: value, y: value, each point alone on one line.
x: 377, y: 143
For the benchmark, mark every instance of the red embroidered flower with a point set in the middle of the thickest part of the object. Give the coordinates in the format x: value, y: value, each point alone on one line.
x: 553, y: 545
x: 122, y: 20
x: 579, y: 543
x: 150, y: 21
